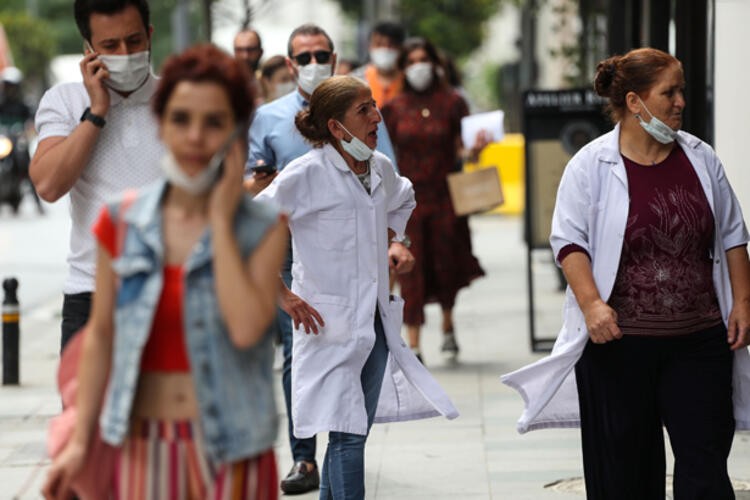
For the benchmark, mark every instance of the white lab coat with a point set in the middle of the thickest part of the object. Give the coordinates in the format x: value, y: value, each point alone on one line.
x: 340, y: 246
x: 591, y: 211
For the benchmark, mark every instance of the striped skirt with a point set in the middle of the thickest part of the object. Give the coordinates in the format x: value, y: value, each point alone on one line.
x: 166, y: 460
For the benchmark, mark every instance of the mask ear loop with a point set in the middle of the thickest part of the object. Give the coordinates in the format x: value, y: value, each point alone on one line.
x: 638, y: 115
x: 351, y: 136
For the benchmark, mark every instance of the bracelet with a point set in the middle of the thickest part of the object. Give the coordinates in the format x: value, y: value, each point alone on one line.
x: 97, y: 120
x: 404, y: 240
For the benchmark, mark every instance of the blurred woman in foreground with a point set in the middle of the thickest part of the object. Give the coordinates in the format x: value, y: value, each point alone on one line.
x: 186, y: 284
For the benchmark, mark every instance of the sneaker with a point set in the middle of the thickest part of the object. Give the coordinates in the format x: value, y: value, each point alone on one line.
x: 450, y: 346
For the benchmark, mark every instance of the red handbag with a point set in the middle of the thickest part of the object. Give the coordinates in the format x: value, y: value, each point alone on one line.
x: 94, y: 481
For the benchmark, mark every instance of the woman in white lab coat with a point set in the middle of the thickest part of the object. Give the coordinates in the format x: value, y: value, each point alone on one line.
x: 651, y: 239
x: 347, y: 212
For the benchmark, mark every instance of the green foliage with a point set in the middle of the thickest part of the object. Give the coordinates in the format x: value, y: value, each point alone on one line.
x: 53, y: 29
x: 456, y: 26
x: 31, y: 43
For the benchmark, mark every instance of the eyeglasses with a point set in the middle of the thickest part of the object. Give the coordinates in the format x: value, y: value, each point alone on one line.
x: 321, y: 57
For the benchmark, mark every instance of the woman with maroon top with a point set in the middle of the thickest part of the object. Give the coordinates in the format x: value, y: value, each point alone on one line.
x: 424, y: 122
x: 651, y: 239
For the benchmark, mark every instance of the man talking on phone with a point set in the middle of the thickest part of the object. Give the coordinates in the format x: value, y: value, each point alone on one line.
x: 98, y: 137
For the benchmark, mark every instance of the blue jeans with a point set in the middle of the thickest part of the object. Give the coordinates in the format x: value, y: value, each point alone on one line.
x: 344, y: 464
x: 302, y: 449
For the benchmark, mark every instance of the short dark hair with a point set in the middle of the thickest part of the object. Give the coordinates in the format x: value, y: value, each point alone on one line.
x: 272, y: 65
x: 82, y: 10
x: 310, y: 30
x: 206, y: 63
x: 393, y: 31
x: 254, y: 32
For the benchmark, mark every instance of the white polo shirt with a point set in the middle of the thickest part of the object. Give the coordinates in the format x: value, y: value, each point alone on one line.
x: 126, y: 155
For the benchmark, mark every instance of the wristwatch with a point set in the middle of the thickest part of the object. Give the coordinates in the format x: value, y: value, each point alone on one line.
x: 95, y: 119
x: 403, y: 239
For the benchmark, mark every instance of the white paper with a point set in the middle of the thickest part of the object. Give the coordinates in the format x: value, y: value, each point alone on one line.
x: 491, y: 122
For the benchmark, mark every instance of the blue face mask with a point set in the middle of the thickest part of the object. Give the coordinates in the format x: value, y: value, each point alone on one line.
x: 657, y: 128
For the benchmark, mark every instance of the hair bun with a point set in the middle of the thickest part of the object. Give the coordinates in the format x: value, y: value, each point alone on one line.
x: 606, y: 71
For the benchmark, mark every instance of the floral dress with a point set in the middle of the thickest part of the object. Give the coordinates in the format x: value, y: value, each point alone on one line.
x: 424, y: 129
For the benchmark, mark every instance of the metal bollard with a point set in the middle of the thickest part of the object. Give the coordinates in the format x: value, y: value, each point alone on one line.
x: 11, y: 317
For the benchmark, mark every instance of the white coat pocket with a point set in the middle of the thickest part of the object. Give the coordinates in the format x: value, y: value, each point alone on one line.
x: 338, y: 316
x: 337, y: 229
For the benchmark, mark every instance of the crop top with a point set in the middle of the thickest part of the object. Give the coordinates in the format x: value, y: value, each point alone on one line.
x: 165, y: 350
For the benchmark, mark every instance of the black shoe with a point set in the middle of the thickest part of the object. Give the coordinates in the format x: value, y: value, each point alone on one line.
x: 301, y: 479
x: 418, y: 354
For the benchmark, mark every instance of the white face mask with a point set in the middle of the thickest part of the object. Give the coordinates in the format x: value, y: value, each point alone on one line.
x: 128, y: 72
x: 196, y: 185
x: 419, y: 75
x: 282, y: 89
x: 313, y: 74
x: 657, y: 128
x: 355, y: 147
x: 384, y: 58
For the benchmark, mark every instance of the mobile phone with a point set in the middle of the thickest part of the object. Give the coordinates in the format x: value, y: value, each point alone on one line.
x: 263, y: 169
x: 217, y: 160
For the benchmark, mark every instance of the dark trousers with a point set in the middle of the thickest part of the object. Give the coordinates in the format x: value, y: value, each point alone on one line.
x: 302, y: 449
x: 75, y: 313
x: 629, y: 387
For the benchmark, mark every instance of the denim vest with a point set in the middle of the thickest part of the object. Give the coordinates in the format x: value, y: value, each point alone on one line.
x: 234, y: 386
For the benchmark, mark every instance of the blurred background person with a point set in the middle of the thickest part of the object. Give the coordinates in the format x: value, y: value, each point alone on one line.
x: 14, y: 112
x: 453, y: 78
x: 183, y: 302
x: 653, y: 244
x: 275, y: 78
x: 248, y: 48
x: 345, y: 204
x: 345, y: 66
x: 382, y: 73
x: 425, y: 124
x: 16, y: 125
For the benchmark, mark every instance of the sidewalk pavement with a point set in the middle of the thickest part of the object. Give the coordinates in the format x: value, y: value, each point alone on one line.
x: 477, y: 456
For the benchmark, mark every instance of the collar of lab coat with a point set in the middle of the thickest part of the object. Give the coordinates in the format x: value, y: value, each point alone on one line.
x: 338, y: 161
x: 610, y: 153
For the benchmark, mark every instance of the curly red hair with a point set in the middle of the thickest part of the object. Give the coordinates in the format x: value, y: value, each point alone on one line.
x: 206, y: 63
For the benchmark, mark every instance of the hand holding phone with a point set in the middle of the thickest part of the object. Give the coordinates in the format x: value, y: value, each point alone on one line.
x: 263, y: 169
x: 217, y: 160
x: 94, y: 73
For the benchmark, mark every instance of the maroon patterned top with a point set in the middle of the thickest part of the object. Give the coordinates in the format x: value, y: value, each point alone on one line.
x: 664, y: 285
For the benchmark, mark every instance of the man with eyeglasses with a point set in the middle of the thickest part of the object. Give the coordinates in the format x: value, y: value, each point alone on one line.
x: 249, y: 49
x: 275, y: 140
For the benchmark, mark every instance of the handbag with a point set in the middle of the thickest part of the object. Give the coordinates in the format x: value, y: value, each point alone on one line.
x: 94, y: 480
